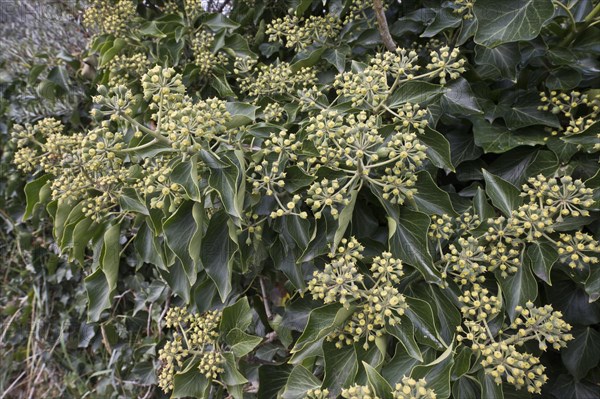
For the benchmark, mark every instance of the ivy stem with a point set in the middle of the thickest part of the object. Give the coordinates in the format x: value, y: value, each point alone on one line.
x: 569, y: 14
x: 140, y: 147
x: 589, y: 19
x: 382, y: 25
x: 263, y: 290
x: 145, y: 129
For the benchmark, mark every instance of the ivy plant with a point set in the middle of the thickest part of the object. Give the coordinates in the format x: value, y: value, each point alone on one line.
x: 343, y: 198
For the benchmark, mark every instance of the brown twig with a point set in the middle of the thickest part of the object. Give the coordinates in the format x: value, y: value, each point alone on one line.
x: 382, y: 25
x: 264, y: 298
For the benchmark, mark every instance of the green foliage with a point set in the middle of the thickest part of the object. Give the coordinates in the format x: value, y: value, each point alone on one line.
x: 282, y: 208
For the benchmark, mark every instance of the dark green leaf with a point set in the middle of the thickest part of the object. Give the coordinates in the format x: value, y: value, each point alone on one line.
x: 519, y: 288
x: 299, y: 382
x: 238, y: 315
x: 382, y: 389
x: 341, y: 367
x: 583, y: 353
x: 218, y: 250
x: 32, y: 193
x: 190, y: 383
x: 414, y: 92
x: 504, y: 195
x: 426, y: 330
x: 321, y: 322
x: 498, y: 139
x: 510, y: 20
x: 407, y: 231
x: 430, y: 199
x: 437, y: 373
x: 542, y: 255
x: 438, y: 148
x: 241, y: 343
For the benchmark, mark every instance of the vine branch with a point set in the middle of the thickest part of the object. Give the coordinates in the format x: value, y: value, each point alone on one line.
x: 382, y: 25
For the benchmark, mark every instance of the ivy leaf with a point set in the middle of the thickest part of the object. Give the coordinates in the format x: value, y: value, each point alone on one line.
x: 272, y: 379
x: 82, y: 234
x: 510, y: 20
x: 489, y: 388
x: 32, y: 194
x: 408, y: 230
x: 466, y: 388
x: 179, y: 230
x: 218, y: 251
x: 520, y: 116
x: 341, y: 366
x: 321, y: 322
x: 519, y: 288
x: 405, y: 333
x: 504, y: 195
x: 437, y: 373
x: 482, y: 207
x: 498, y: 139
x: 241, y: 114
x: 430, y: 199
x: 225, y: 178
x: 241, y: 343
x: 190, y: 383
x: 186, y: 174
x: 402, y: 364
x: 238, y: 315
x: 459, y: 99
x: 382, y: 388
x: 567, y: 387
x: 504, y: 59
x: 344, y: 219
x: 101, y: 284
x: 232, y: 376
x: 337, y: 57
x: 542, y: 256
x: 299, y: 382
x: 438, y: 148
x: 426, y: 330
x: 592, y: 285
x: 583, y: 353
x: 414, y: 92
x: 445, y: 18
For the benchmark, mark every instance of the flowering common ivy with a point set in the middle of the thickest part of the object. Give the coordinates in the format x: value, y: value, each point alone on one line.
x: 342, y: 199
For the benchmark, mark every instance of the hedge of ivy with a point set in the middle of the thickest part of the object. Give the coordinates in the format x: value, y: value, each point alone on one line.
x: 321, y: 199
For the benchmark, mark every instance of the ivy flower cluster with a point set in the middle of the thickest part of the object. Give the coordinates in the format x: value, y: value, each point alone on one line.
x: 358, y: 10
x: 500, y: 357
x: 196, y: 336
x: 377, y: 301
x: 204, y: 58
x: 193, y: 8
x: 317, y: 393
x: 110, y: 17
x: 359, y: 392
x: 125, y: 69
x: 85, y: 169
x: 300, y: 33
x: 410, y: 388
x: 265, y: 80
x: 579, y: 110
x: 468, y: 253
x: 577, y: 250
x: 374, y: 84
x: 352, y: 146
x: 95, y: 168
x: 464, y: 8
